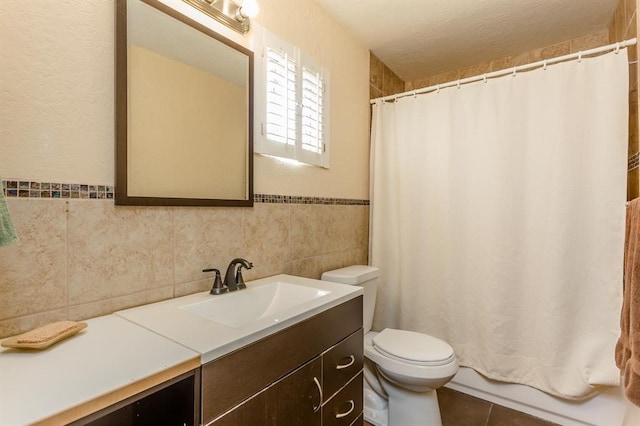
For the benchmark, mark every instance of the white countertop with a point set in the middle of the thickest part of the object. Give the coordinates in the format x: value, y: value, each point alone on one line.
x: 213, y: 340
x: 117, y: 353
x: 109, y: 354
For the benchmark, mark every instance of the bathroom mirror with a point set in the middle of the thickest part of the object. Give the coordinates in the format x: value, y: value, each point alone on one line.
x: 184, y: 108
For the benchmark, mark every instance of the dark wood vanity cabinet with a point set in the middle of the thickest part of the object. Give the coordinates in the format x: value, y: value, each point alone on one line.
x: 307, y: 374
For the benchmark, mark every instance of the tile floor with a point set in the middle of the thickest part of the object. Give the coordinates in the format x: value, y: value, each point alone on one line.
x: 459, y: 409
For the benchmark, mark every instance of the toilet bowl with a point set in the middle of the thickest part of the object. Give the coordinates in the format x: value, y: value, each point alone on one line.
x: 403, y: 368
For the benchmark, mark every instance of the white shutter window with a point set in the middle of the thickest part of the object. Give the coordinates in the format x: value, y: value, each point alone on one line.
x: 281, y: 107
x: 314, y: 118
x: 294, y: 115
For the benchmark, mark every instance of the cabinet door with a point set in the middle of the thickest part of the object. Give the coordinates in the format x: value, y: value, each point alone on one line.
x: 297, y: 398
x: 294, y: 400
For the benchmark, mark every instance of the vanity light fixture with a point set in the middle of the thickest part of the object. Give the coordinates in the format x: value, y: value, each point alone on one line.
x: 228, y: 12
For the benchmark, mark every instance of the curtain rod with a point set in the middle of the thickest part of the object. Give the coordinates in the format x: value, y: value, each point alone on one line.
x: 615, y: 47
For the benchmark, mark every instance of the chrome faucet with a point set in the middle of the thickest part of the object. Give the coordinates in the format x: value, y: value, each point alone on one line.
x: 236, y: 282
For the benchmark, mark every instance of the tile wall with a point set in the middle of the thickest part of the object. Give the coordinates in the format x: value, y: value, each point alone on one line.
x: 583, y: 43
x: 623, y: 27
x: 80, y: 258
x: 382, y: 81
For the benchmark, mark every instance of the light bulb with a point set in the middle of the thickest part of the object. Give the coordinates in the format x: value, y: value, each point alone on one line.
x: 249, y: 9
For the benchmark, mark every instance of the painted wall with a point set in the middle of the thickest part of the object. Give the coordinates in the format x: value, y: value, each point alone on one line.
x: 57, y: 115
x: 79, y: 256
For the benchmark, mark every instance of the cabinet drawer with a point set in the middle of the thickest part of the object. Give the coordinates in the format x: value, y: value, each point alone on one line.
x: 346, y: 406
x: 341, y: 363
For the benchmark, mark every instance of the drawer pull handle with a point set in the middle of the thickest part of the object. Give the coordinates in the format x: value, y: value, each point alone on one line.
x: 352, y: 406
x: 317, y: 407
x: 352, y: 359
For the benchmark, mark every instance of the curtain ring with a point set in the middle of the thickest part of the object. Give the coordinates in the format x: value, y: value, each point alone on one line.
x: 484, y: 78
x: 438, y: 88
x: 617, y: 48
x: 415, y: 94
x: 544, y: 65
x: 580, y: 56
x: 514, y: 72
x: 458, y: 84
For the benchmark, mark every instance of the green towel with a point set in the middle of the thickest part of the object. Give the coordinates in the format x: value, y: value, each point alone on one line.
x: 7, y: 232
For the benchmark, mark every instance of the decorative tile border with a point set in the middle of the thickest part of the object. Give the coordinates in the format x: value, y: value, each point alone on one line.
x: 31, y: 189
x: 295, y: 199
x: 633, y: 162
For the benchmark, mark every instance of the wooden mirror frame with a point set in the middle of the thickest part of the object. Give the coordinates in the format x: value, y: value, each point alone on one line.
x: 121, y: 115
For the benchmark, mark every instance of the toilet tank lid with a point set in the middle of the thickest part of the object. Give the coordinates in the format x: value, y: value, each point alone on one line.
x: 354, y: 274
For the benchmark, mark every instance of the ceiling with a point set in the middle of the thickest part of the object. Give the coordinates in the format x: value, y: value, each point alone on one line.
x: 416, y: 38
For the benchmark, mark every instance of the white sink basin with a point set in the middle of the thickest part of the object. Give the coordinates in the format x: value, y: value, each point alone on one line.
x: 243, y: 307
x: 214, y: 326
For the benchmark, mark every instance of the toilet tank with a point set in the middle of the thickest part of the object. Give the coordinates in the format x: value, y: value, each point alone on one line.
x: 363, y: 276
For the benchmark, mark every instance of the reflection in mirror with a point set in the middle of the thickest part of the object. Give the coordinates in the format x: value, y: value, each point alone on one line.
x: 183, y: 111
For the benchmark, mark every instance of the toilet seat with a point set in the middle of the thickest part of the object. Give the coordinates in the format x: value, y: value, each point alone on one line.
x: 413, y: 348
x: 410, y: 370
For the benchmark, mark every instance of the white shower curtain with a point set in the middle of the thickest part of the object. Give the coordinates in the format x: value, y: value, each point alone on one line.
x: 497, y: 221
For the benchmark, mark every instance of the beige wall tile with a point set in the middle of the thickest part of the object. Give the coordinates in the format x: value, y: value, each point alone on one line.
x: 442, y: 78
x: 399, y: 85
x: 419, y: 84
x: 376, y: 73
x: 475, y: 70
x: 391, y: 83
x: 631, y: 29
x: 633, y: 78
x: 116, y: 251
x: 322, y: 229
x: 553, y: 51
x: 194, y: 286
x: 633, y: 184
x: 374, y: 92
x: 107, y: 306
x: 618, y: 24
x: 266, y: 239
x: 501, y: 64
x: 388, y: 82
x: 313, y: 267
x: 13, y: 326
x: 120, y: 257
x: 205, y: 238
x: 633, y: 122
x: 590, y: 41
x: 306, y: 233
x: 626, y: 8
x: 32, y: 271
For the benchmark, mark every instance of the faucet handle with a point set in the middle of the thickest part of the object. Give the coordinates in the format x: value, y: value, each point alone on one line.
x: 218, y: 287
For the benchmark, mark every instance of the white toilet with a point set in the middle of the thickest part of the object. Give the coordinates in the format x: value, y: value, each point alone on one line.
x: 403, y: 368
